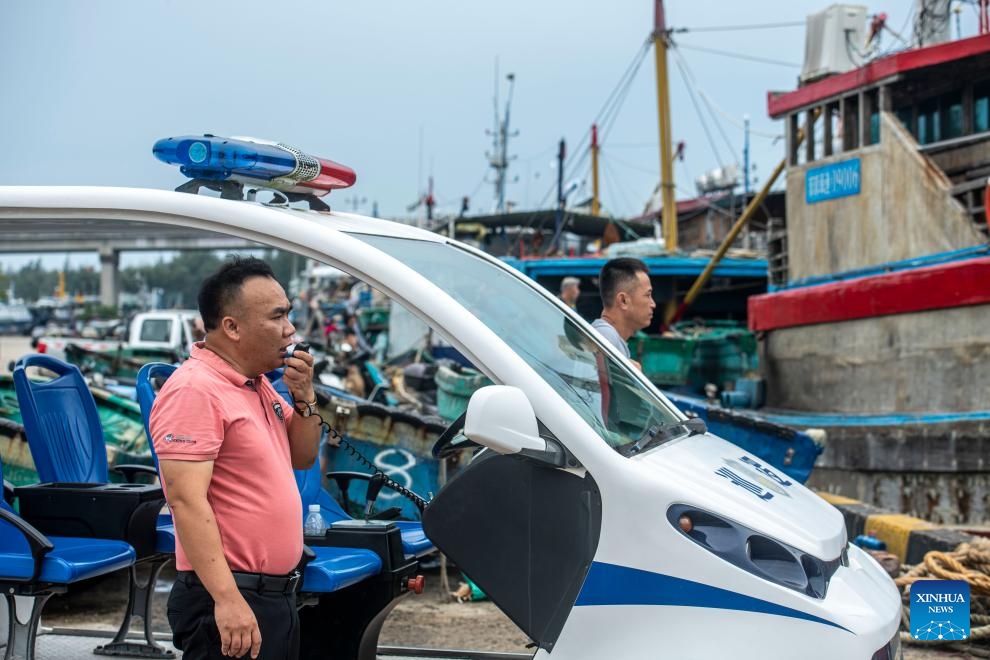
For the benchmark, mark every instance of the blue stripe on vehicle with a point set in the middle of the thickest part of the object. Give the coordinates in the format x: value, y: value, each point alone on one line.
x: 608, y: 584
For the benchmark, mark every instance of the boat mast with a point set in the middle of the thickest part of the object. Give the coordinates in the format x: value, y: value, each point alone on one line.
x: 595, y: 208
x: 661, y: 40
x: 499, y: 158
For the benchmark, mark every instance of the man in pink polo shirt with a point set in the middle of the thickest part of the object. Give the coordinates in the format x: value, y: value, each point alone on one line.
x: 227, y: 444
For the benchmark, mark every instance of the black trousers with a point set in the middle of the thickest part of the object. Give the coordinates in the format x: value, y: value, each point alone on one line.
x: 195, y: 632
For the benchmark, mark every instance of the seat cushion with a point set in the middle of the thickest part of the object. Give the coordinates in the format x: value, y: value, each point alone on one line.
x: 71, y: 560
x: 414, y: 541
x: 336, y: 568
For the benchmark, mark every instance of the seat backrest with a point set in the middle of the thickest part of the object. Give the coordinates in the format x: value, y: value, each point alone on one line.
x: 149, y: 380
x: 311, y: 491
x: 61, y: 422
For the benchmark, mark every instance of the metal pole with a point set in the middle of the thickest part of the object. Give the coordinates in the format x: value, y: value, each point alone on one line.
x: 660, y: 43
x: 746, y: 154
x: 558, y: 218
x: 595, y: 208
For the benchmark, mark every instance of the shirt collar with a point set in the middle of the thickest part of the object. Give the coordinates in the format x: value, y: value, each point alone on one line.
x: 219, y: 365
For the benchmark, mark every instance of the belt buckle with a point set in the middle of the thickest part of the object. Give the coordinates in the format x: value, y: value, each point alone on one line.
x: 293, y: 581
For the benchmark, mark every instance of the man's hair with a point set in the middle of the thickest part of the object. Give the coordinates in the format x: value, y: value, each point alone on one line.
x: 618, y: 275
x: 568, y: 281
x: 220, y: 290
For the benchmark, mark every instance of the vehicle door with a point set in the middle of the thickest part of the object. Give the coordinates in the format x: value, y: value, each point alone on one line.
x: 526, y: 526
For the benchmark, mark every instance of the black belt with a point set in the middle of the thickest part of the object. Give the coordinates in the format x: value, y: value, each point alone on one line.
x: 260, y: 582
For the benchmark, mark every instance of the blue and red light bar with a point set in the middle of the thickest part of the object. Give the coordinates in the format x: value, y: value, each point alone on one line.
x: 253, y: 162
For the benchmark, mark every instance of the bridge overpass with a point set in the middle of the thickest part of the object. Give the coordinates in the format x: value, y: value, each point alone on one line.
x: 109, y: 238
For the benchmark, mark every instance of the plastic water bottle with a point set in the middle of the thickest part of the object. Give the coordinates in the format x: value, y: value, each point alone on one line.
x: 314, y: 525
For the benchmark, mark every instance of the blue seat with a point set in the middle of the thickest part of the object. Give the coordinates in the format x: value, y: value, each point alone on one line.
x: 36, y: 567
x: 61, y: 422
x: 65, y: 436
x: 336, y: 568
x: 149, y: 379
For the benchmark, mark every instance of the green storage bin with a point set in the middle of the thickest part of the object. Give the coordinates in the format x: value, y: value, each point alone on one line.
x: 454, y: 389
x: 665, y: 360
x: 724, y: 352
x: 373, y: 318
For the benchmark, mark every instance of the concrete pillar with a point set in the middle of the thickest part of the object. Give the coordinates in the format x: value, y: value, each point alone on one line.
x: 884, y: 100
x: 109, y: 275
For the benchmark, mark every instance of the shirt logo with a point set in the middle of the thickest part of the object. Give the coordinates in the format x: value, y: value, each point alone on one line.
x: 183, y: 439
x: 277, y: 407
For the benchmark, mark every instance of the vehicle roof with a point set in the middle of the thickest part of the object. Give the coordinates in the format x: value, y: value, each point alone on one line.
x: 101, y: 215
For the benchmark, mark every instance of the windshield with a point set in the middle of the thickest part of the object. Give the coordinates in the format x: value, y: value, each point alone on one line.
x: 599, y: 387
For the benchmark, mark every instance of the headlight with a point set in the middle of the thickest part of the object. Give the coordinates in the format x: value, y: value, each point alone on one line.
x: 756, y: 553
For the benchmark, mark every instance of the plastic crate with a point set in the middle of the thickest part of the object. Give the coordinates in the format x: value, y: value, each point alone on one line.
x: 665, y: 360
x: 724, y: 352
x: 373, y: 318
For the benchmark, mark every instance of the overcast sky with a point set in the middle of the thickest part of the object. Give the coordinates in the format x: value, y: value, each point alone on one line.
x: 397, y: 90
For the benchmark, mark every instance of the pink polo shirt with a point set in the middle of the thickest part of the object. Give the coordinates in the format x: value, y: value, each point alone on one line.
x: 207, y: 411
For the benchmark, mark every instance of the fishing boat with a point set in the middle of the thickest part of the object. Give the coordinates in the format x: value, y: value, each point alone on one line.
x: 874, y: 324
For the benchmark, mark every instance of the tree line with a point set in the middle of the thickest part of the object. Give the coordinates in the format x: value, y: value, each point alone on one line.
x: 179, y: 277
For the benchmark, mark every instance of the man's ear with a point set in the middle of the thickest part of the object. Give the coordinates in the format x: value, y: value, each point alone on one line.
x: 229, y: 327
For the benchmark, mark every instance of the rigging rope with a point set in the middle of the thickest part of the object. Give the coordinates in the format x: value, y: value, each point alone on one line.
x: 693, y: 87
x: 605, y: 118
x: 739, y: 56
x: 755, y: 26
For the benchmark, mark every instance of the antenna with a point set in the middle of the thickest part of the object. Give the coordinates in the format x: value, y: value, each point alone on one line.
x: 499, y: 157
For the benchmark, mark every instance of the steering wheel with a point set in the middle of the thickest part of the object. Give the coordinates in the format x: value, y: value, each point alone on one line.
x: 452, y: 440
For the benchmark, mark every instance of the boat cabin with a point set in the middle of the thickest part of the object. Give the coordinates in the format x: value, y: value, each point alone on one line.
x: 885, y: 162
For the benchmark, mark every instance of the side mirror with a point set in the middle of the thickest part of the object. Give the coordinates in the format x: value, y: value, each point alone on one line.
x: 501, y: 418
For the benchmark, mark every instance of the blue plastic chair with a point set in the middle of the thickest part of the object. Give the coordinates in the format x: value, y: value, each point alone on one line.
x: 65, y: 437
x: 61, y: 422
x: 149, y: 379
x: 36, y: 567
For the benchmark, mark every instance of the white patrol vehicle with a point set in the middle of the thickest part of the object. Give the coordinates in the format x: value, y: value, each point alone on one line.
x: 603, y: 522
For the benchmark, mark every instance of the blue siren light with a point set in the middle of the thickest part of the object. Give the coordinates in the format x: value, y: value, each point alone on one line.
x: 253, y: 162
x: 208, y: 157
